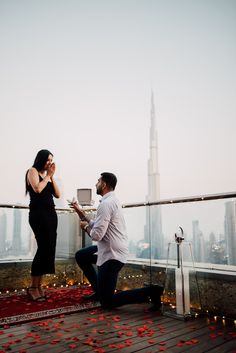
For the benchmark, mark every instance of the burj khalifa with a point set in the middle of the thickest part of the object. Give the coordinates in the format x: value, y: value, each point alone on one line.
x: 153, y: 228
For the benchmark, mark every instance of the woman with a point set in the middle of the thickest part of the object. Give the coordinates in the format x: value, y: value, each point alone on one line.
x: 41, y: 186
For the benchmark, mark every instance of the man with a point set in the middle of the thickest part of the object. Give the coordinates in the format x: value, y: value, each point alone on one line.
x: 111, y: 251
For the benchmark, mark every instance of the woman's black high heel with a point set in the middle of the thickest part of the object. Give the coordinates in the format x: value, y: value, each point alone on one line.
x: 33, y: 297
x: 42, y: 293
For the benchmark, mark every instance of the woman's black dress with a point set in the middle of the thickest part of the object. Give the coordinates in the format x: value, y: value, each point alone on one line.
x: 43, y: 221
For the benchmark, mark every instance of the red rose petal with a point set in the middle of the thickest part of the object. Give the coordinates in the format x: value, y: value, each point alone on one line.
x: 213, y: 335
x: 129, y: 333
x: 116, y: 318
x: 194, y: 341
x: 72, y: 346
x: 99, y: 350
x: 151, y: 341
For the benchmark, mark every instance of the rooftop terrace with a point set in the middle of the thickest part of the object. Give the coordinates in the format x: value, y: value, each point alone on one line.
x: 209, y: 267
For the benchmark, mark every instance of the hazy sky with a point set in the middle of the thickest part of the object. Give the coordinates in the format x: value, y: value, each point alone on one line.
x: 76, y: 78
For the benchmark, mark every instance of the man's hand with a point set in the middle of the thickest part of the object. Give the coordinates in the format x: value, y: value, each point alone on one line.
x: 83, y: 224
x: 79, y: 211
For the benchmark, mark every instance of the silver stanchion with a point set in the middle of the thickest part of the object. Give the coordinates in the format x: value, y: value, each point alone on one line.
x: 181, y: 298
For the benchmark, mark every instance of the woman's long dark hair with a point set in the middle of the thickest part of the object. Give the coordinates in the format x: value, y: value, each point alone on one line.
x: 39, y: 163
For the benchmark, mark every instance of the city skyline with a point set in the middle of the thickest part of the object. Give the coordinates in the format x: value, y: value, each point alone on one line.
x: 17, y: 239
x: 146, y: 237
x: 145, y: 241
x: 76, y: 78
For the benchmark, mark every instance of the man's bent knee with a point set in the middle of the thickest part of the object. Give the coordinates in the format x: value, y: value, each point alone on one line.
x: 80, y: 256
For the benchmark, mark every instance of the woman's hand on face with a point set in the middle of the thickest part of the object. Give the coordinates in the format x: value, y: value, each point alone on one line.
x: 51, y: 169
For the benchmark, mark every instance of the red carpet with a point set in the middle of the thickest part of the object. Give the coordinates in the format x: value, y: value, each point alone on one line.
x: 18, y: 308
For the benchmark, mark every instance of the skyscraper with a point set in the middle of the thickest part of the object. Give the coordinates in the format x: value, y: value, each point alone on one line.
x: 153, y: 172
x: 230, y: 232
x: 16, y: 238
x: 153, y: 228
x: 198, y: 242
x: 3, y: 232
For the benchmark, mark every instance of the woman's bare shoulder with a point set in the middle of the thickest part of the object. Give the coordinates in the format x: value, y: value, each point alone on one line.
x: 32, y: 171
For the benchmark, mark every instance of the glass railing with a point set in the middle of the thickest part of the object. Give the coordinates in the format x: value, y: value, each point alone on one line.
x: 207, y: 253
x: 208, y: 222
x: 189, y: 246
x: 17, y: 242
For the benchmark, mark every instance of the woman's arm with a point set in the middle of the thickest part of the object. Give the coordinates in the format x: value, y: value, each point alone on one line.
x: 37, y: 185
x: 34, y: 181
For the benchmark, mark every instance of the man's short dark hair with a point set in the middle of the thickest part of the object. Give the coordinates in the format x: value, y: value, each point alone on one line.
x: 110, y: 179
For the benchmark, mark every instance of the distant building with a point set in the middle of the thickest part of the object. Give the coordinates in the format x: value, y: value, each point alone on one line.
x: 216, y: 249
x: 16, y: 238
x: 198, y: 243
x: 153, y: 236
x: 230, y: 232
x: 3, y: 232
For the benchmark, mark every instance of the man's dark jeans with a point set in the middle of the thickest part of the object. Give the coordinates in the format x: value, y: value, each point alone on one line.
x: 104, y: 280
